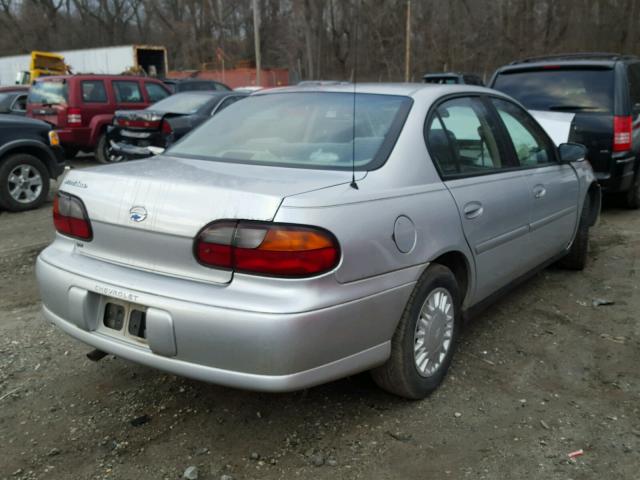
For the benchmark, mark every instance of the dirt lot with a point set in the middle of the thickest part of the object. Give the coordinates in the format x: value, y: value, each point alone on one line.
x: 541, y: 374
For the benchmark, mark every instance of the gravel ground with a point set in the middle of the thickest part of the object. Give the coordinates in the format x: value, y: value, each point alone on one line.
x: 542, y: 373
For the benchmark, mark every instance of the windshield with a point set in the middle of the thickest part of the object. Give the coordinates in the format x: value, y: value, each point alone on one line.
x: 184, y: 103
x: 587, y: 90
x: 52, y: 92
x: 309, y: 130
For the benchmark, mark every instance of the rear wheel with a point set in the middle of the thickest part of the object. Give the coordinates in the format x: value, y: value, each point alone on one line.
x: 24, y: 182
x: 423, y: 344
x: 104, y: 153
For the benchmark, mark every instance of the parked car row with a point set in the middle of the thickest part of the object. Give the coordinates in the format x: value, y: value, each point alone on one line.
x: 73, y: 113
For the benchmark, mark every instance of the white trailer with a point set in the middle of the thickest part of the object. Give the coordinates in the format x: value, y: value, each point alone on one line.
x: 149, y: 59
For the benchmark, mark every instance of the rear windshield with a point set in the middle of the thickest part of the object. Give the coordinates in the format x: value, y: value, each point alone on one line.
x: 309, y: 130
x: 184, y: 103
x: 48, y: 92
x: 560, y: 90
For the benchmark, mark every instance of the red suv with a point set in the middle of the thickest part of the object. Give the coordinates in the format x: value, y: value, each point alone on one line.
x: 80, y: 107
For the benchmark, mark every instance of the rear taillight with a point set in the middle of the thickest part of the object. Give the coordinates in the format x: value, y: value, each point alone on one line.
x: 166, y: 128
x: 267, y: 248
x: 70, y: 216
x: 74, y: 117
x: 622, y: 131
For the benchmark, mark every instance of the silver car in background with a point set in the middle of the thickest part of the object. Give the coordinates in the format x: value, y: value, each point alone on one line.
x: 285, y: 243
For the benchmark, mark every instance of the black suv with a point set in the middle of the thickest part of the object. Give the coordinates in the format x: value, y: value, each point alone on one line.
x: 30, y: 155
x: 603, y: 91
x: 453, y: 78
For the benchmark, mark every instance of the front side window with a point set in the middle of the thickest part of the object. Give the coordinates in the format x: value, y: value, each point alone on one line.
x: 461, y: 140
x: 301, y: 129
x: 529, y: 143
x: 93, y: 91
x: 127, y: 91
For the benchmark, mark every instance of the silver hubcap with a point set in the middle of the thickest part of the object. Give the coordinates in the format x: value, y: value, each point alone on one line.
x: 25, y: 184
x: 434, y: 332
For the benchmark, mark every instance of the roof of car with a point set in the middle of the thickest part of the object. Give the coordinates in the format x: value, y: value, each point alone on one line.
x: 404, y: 89
x: 590, y: 59
x: 98, y: 76
x: 181, y: 80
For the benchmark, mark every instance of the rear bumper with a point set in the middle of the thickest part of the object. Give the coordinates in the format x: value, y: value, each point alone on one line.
x: 76, y: 137
x: 620, y: 177
x: 257, y: 349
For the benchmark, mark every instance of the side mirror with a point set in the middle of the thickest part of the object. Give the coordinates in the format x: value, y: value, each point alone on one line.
x: 572, y: 152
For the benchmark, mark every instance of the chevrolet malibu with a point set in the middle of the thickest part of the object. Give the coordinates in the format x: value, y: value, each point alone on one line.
x: 310, y: 233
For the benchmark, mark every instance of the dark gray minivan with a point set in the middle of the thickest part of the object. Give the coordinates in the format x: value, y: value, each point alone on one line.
x: 603, y: 91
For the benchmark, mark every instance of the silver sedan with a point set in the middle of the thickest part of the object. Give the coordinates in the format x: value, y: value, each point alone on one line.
x: 306, y: 234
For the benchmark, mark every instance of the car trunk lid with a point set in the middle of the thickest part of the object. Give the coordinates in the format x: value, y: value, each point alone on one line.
x: 146, y: 214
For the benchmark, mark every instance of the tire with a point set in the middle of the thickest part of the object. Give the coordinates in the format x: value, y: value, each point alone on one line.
x: 576, y: 259
x: 104, y: 153
x: 633, y: 195
x: 24, y: 182
x: 400, y: 375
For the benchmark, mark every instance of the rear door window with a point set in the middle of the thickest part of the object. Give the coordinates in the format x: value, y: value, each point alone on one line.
x: 93, y: 91
x: 155, y: 92
x: 530, y: 144
x: 127, y: 91
x: 461, y: 140
x: 556, y: 89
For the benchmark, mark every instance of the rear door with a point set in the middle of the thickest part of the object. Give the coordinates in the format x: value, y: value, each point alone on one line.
x: 553, y: 187
x: 491, y: 194
x: 93, y: 95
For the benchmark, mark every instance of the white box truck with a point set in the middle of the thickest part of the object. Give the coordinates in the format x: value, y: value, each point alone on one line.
x: 145, y: 59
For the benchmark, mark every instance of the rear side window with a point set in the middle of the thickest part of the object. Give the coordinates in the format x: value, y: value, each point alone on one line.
x: 155, y: 92
x: 127, y: 91
x: 93, y: 91
x: 48, y: 92
x: 461, y: 140
x: 530, y: 145
x: 575, y: 90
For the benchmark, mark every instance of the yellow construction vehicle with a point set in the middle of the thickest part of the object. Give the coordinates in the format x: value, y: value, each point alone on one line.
x: 43, y: 64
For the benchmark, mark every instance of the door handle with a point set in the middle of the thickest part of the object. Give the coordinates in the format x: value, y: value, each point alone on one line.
x: 473, y: 210
x: 539, y: 191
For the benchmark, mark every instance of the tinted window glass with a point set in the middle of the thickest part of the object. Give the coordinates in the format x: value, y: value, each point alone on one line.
x: 52, y: 92
x: 127, y: 92
x: 560, y: 90
x: 634, y: 85
x: 310, y: 130
x: 155, y: 92
x: 185, y: 103
x: 460, y: 139
x: 93, y: 91
x: 530, y: 145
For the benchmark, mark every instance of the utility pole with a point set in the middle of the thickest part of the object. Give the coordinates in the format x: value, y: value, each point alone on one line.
x: 256, y: 39
x: 407, y: 45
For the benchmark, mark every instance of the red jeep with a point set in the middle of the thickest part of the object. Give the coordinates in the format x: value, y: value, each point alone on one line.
x: 80, y: 107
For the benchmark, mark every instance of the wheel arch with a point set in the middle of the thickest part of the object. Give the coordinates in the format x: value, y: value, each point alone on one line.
x: 594, y: 197
x: 460, y: 266
x: 33, y: 148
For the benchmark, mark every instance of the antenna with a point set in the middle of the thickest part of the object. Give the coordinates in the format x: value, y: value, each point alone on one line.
x: 353, y: 183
